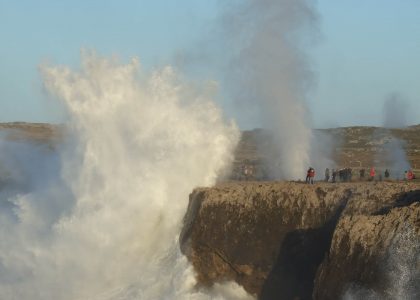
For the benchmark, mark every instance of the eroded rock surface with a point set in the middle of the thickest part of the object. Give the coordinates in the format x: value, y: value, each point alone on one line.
x: 376, y: 251
x: 285, y: 240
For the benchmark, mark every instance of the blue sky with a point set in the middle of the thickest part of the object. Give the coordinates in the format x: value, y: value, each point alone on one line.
x: 368, y: 49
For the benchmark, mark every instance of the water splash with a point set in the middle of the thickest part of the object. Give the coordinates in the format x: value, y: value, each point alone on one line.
x: 403, y: 266
x: 137, y: 146
x: 401, y: 271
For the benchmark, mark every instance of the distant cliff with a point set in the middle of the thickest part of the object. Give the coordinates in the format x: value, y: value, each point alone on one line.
x: 358, y: 146
x: 285, y: 240
x: 33, y: 132
x: 355, y: 147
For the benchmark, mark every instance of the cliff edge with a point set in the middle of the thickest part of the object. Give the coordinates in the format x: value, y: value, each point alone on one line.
x: 289, y: 240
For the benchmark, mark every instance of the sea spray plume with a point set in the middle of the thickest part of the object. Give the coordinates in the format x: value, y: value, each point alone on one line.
x: 394, y: 156
x: 269, y: 71
x: 322, y: 150
x: 139, y: 146
x: 395, y: 111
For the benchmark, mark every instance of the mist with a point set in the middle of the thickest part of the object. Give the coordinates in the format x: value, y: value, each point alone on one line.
x: 99, y: 216
x: 399, y: 271
x: 395, y: 111
x: 394, y: 157
x: 270, y: 77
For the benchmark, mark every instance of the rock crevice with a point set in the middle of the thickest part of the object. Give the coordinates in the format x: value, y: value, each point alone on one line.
x: 283, y: 240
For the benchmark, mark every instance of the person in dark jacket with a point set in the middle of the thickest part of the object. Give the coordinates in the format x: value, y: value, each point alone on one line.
x: 334, y: 175
x: 362, y: 174
x: 327, y: 175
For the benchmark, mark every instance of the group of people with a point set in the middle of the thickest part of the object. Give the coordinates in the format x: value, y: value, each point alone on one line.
x: 346, y: 174
x: 248, y: 171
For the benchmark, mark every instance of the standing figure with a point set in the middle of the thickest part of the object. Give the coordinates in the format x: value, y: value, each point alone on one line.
x: 386, y: 174
x: 341, y: 174
x: 372, y: 173
x: 327, y: 174
x: 334, y: 175
x: 362, y: 174
x: 248, y: 172
x: 311, y: 175
x: 410, y: 175
x: 308, y: 175
x: 346, y: 174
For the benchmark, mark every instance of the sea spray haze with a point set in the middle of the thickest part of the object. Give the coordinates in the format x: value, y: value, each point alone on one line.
x: 138, y: 144
x: 394, y: 155
x: 400, y: 271
x: 269, y: 73
x: 395, y: 111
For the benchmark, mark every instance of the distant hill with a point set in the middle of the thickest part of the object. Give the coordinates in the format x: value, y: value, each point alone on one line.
x: 362, y: 146
x: 34, y: 132
x: 355, y: 147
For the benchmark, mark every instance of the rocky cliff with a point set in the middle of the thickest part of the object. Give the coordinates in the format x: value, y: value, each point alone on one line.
x: 285, y: 240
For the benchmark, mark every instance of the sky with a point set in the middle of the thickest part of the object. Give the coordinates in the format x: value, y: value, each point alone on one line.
x: 366, y: 51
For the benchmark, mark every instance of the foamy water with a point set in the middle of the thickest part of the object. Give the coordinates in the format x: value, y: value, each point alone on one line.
x: 101, y: 219
x: 401, y: 271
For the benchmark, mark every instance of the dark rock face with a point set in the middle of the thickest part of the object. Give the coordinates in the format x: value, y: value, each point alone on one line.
x: 364, y: 253
x: 285, y: 240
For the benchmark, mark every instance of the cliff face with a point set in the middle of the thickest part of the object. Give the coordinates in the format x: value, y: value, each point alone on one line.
x: 376, y: 251
x: 285, y: 240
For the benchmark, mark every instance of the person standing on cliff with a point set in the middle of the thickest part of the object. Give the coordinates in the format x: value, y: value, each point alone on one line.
x: 327, y: 175
x: 410, y: 175
x: 372, y: 173
x: 362, y: 174
x: 248, y: 172
x: 386, y: 174
x: 334, y: 175
x: 311, y: 174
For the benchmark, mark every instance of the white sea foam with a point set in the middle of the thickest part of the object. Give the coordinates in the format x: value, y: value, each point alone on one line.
x: 101, y: 219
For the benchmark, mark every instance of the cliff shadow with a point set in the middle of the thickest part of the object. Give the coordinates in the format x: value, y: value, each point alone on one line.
x: 404, y: 199
x: 301, y: 252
